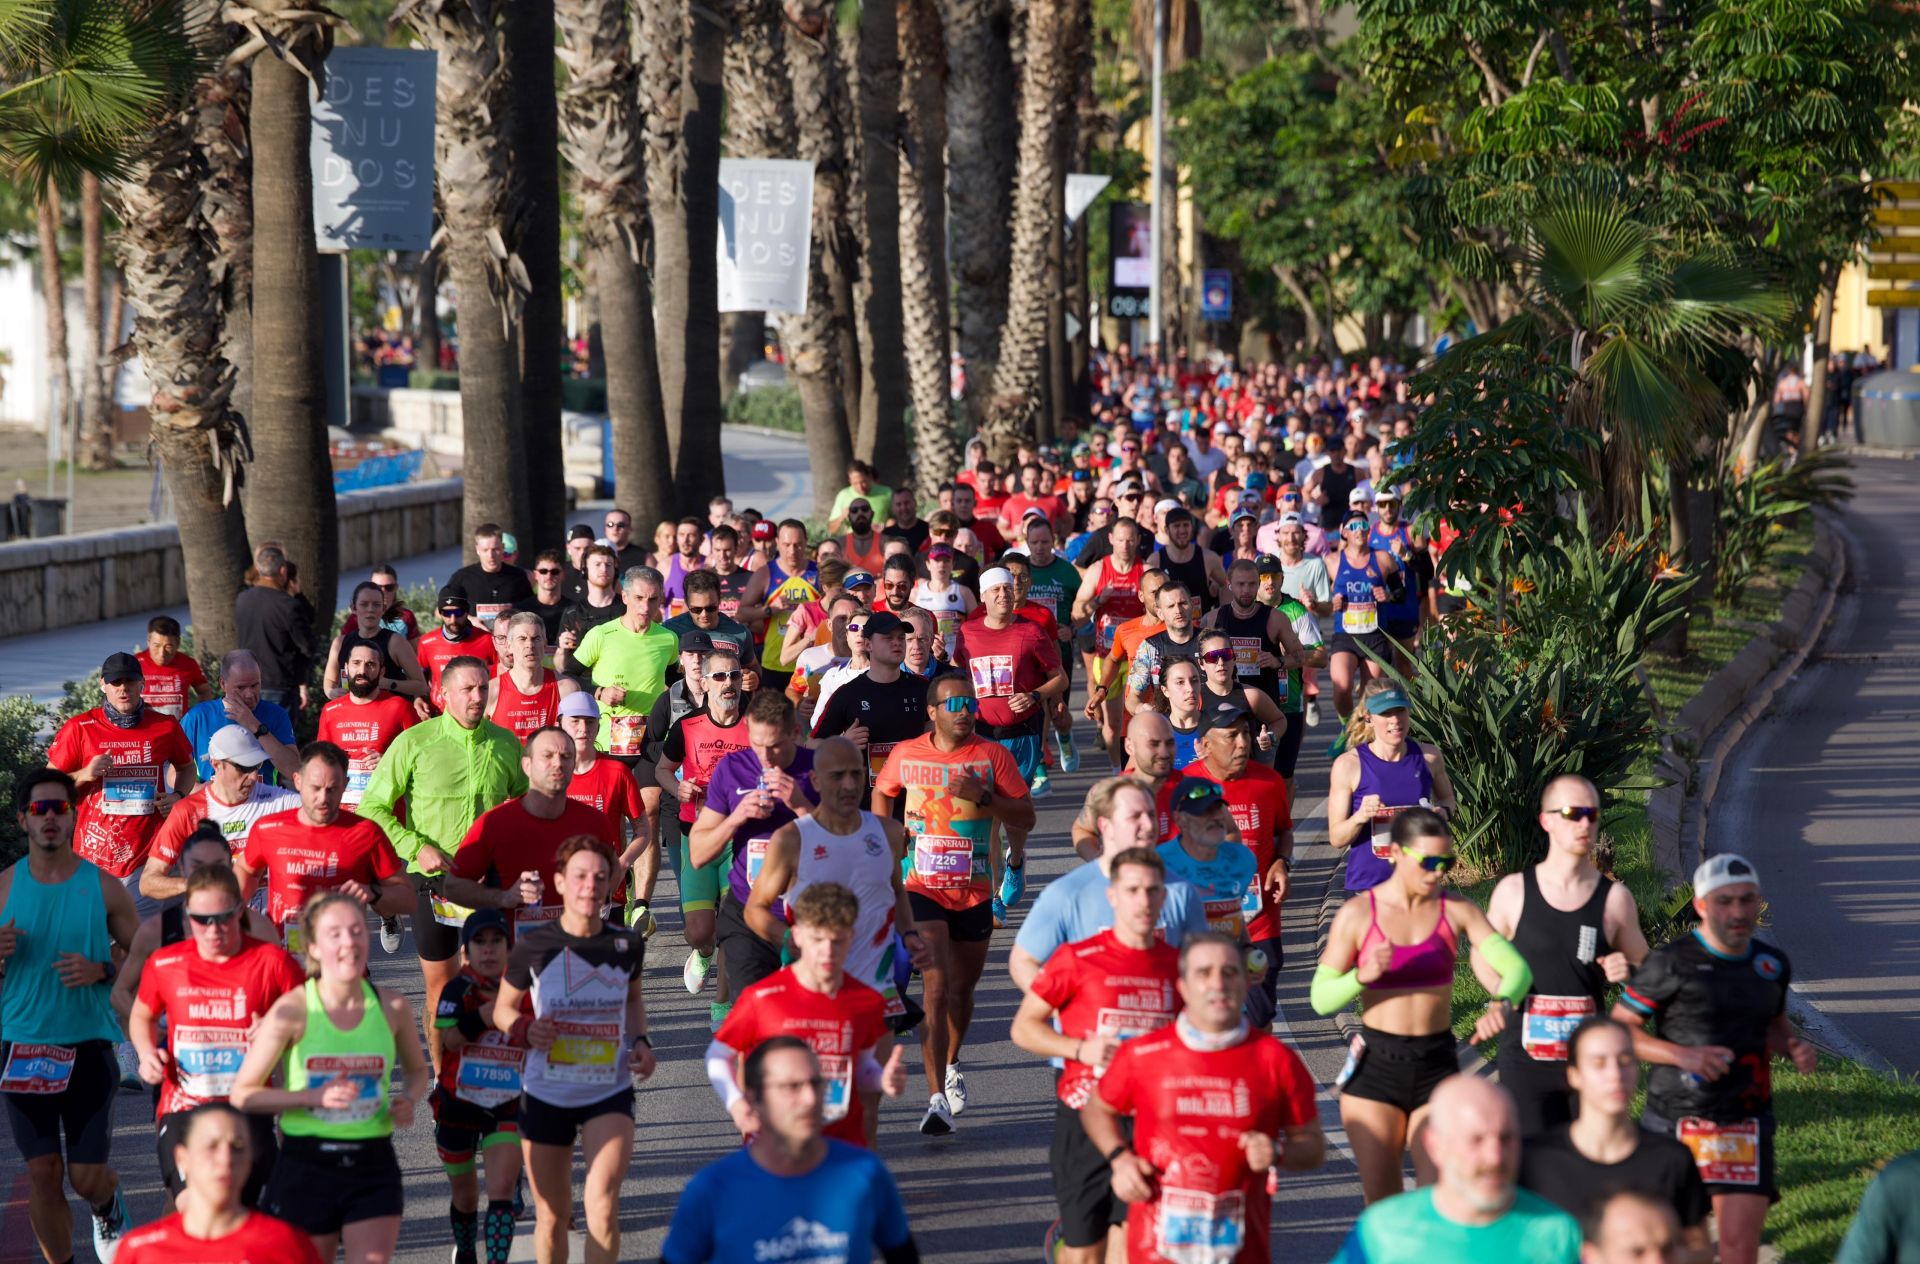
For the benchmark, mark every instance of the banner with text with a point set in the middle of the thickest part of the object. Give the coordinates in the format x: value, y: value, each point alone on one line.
x: 766, y: 227
x: 372, y: 150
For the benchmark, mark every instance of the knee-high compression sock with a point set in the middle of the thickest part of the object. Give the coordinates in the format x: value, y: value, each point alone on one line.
x: 499, y: 1230
x: 465, y: 1225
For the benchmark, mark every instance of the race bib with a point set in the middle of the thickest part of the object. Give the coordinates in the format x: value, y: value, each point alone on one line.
x: 943, y: 862
x: 368, y: 1074
x: 208, y: 1058
x: 528, y: 916
x: 1382, y: 835
x: 1200, y: 1228
x: 167, y: 695
x: 489, y: 1075
x: 992, y: 675
x: 1726, y: 1154
x: 877, y: 753
x: 756, y: 857
x: 37, y: 1069
x: 1125, y: 1024
x: 486, y: 612
x: 837, y: 1071
x: 1225, y: 916
x: 1359, y: 618
x: 584, y: 1053
x: 1246, y: 653
x: 295, y: 937
x: 130, y: 789
x: 1103, y: 634
x: 445, y: 911
x: 359, y: 774
x: 626, y: 734
x: 1549, y: 1021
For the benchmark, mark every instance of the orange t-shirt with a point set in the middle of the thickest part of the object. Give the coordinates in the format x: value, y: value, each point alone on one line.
x: 1126, y: 643
x: 949, y: 835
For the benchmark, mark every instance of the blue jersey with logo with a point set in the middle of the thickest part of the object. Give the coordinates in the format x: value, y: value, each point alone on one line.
x: 737, y: 1212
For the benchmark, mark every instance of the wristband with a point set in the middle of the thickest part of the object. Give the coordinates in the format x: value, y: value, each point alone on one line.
x: 1117, y: 1151
x: 640, y: 1038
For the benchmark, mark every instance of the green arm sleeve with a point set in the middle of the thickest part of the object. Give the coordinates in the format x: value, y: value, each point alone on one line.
x: 1516, y: 976
x: 1332, y: 992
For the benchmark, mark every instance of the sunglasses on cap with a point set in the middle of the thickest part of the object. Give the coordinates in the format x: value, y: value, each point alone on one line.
x: 1427, y: 861
x: 49, y: 807
x: 1199, y: 798
x: 1217, y: 656
x: 213, y: 919
x: 958, y: 703
x: 1575, y: 813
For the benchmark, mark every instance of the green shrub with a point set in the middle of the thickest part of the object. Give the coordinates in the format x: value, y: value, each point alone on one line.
x: 23, y: 749
x: 1750, y: 527
x: 433, y: 380
x: 774, y: 407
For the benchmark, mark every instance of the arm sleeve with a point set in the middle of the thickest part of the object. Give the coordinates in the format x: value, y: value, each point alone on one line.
x: 720, y: 1060
x: 1516, y: 976
x: 1140, y: 672
x: 384, y: 791
x: 1331, y: 992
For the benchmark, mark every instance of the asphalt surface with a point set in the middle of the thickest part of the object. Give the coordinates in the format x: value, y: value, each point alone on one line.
x: 1822, y: 794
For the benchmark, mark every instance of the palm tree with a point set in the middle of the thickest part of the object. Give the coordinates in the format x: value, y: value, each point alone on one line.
x: 53, y: 286
x: 927, y: 316
x: 600, y: 134
x: 477, y: 214
x: 881, y: 437
x: 96, y: 419
x: 979, y: 179
x: 680, y: 93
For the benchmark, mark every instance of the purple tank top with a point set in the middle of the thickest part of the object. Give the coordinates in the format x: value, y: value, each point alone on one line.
x: 1402, y: 783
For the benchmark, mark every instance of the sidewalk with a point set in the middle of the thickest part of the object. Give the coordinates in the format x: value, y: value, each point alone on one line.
x: 1822, y: 794
x: 766, y: 471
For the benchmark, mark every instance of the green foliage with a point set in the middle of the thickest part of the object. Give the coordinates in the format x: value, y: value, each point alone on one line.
x: 1750, y: 528
x: 1838, y: 1127
x: 1550, y: 689
x: 78, y: 696
x: 23, y: 748
x: 774, y: 407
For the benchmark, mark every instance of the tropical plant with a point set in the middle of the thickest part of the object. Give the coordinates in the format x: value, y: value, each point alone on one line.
x: 23, y: 749
x: 1750, y: 527
x: 880, y: 436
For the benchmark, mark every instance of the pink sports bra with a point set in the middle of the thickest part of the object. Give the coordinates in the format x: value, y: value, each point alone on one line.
x: 1427, y: 964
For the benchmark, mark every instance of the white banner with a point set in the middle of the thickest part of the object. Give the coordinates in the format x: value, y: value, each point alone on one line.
x: 766, y: 226
x: 372, y: 150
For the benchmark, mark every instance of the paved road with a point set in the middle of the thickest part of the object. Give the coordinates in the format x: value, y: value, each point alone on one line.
x: 984, y: 1194
x: 1822, y: 794
x: 767, y: 471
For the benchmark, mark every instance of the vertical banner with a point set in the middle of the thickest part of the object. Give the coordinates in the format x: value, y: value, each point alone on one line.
x: 1216, y: 295
x: 766, y: 234
x: 1130, y: 242
x: 372, y: 150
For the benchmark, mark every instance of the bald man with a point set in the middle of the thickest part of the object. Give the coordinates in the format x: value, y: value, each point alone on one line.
x: 1150, y: 758
x: 1475, y: 1211
x: 1580, y: 933
x: 1631, y: 1228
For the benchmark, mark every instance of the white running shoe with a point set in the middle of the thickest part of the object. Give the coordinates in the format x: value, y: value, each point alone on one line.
x: 938, y: 1121
x: 1313, y: 713
x: 956, y: 1093
x: 108, y: 1229
x: 695, y: 973
x: 390, y: 934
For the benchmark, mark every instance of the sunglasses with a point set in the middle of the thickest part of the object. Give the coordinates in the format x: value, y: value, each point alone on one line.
x: 387, y: 587
x: 213, y: 919
x: 958, y: 703
x: 725, y: 676
x: 245, y: 770
x: 705, y: 609
x: 1217, y: 656
x: 1354, y: 524
x: 858, y: 629
x: 1430, y: 863
x: 1576, y: 813
x: 546, y: 570
x: 448, y: 612
x: 49, y: 807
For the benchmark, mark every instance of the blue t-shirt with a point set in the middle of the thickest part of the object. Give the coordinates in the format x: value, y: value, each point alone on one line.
x: 733, y: 776
x: 736, y: 1212
x: 1228, y: 885
x: 204, y: 719
x: 1074, y: 906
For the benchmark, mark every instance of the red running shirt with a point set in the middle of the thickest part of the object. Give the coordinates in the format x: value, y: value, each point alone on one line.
x: 509, y: 840
x: 1101, y: 987
x: 167, y: 688
x: 526, y: 713
x: 436, y: 651
x: 1189, y: 1109
x: 838, y: 1027
x: 236, y: 820
x: 607, y: 787
x: 116, y: 821
x: 1257, y: 798
x: 260, y: 1239
x: 210, y: 1010
x: 298, y: 859
x: 364, y: 730
x: 1003, y: 662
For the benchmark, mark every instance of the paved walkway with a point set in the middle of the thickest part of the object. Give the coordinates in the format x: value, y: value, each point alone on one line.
x: 764, y: 470
x: 1824, y: 792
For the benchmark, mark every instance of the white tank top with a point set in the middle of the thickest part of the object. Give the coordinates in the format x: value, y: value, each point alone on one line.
x: 947, y: 609
x: 863, y: 863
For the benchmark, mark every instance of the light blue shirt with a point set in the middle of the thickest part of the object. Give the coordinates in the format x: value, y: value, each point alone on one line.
x: 1074, y: 906
x: 204, y: 719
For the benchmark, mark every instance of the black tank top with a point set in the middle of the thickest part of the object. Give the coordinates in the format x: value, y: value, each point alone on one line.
x: 1168, y: 651
x: 1192, y: 574
x: 173, y: 924
x: 1563, y: 950
x: 1339, y: 485
x: 1250, y: 639
x: 350, y: 640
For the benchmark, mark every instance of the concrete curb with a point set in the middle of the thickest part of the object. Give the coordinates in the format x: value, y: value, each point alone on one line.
x: 1715, y: 718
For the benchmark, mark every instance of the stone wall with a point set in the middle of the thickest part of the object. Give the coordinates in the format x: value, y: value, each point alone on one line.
x: 67, y: 581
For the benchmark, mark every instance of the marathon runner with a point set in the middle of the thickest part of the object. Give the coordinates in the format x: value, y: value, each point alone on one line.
x: 1629, y: 1228
x: 1303, y: 576
x: 957, y: 786
x: 526, y: 696
x: 1217, y: 662
x: 366, y: 626
x: 686, y: 559
x: 1604, y: 1148
x: 396, y: 616
x: 607, y: 785
x: 1364, y: 579
x: 862, y: 545
x: 549, y: 600
x: 816, y: 999
x: 579, y: 980
x: 897, y: 579
x: 1399, y: 619
x: 119, y: 755
x: 458, y: 637
x: 235, y: 801
x: 598, y: 602
x: 1264, y: 645
x: 706, y: 610
x: 210, y: 991
x: 1381, y: 774
x: 1224, y: 875
x: 1580, y: 933
x: 1188, y: 563
x: 169, y: 678
x: 731, y: 578
x: 364, y: 720
x: 1109, y: 595
x: 476, y: 1100
x: 1718, y: 1000
x: 1053, y: 582
x: 1397, y: 946
x: 1177, y: 641
x: 792, y: 1187
x: 1215, y: 1104
x: 789, y: 580
x: 340, y: 1038
x: 618, y: 525
x: 214, y: 1155
x: 628, y: 659
x: 240, y: 703
x: 883, y: 705
x: 1152, y: 750
x: 1182, y: 698
x: 943, y: 596
x: 1089, y: 999
x: 491, y: 585
x: 60, y: 921
x: 1294, y: 706
x: 446, y: 772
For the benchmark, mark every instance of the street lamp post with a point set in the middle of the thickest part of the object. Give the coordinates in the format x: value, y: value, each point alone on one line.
x: 1156, y: 203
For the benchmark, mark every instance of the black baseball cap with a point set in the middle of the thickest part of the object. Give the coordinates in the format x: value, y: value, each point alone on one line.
x: 483, y: 919
x: 694, y: 641
x: 121, y: 666
x: 882, y: 623
x: 1220, y: 715
x: 451, y: 597
x: 580, y: 531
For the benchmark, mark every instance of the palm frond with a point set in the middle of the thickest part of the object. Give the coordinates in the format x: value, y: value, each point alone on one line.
x: 1711, y: 294
x: 1638, y: 391
x: 1590, y: 259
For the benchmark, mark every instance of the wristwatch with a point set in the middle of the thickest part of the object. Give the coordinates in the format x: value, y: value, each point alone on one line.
x: 260, y: 730
x: 986, y: 798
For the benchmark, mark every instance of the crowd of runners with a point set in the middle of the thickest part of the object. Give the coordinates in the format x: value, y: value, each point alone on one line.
x: 835, y: 744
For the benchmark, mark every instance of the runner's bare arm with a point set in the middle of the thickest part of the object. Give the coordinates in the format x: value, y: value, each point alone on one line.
x: 1305, y: 1147
x: 1087, y: 599
x: 330, y: 675
x: 1132, y: 1173
x: 1022, y: 966
x: 394, y: 897
x: 1033, y: 1031
x: 123, y: 919
x: 753, y: 599
x: 1345, y: 826
x: 412, y: 681
x: 1503, y: 906
x: 641, y: 1061
x: 1280, y: 629
x: 281, y: 1026
x: 1621, y: 920
x: 776, y: 875
x: 712, y: 831
x: 126, y: 985
x: 157, y: 881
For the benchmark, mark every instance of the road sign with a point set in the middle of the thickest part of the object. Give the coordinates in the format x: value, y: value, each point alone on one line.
x: 372, y: 150
x: 766, y: 234
x: 1216, y: 295
x: 1893, y: 298
x: 1081, y: 190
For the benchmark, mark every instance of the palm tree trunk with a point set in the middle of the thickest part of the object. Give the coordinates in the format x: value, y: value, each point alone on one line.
x: 1045, y: 82
x: 293, y: 488
x: 533, y: 142
x: 96, y: 412
x: 1822, y: 348
x: 426, y: 312
x: 742, y: 337
x: 927, y: 302
x: 600, y: 129
x: 221, y: 102
x: 680, y: 88
x: 53, y: 287
x: 979, y: 193
x: 882, y: 438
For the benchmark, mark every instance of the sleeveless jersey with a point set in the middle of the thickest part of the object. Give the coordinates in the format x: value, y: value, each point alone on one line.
x: 525, y: 713
x: 799, y: 589
x: 1250, y: 640
x: 1191, y: 573
x: 732, y: 584
x: 1360, y: 616
x: 863, y: 863
x: 1564, y: 951
x: 947, y: 607
x: 36, y: 1008
x: 1118, y: 602
x: 869, y: 559
x: 350, y: 640
x: 324, y: 1052
x: 1407, y: 609
x: 1403, y: 783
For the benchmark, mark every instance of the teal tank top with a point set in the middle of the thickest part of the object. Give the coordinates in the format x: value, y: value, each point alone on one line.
x: 364, y: 1055
x: 35, y: 1007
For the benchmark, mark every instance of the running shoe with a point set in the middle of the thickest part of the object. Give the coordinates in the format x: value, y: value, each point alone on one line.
x: 717, y: 1014
x: 1338, y: 746
x: 641, y: 918
x: 1069, y: 753
x: 694, y: 974
x: 129, y: 1060
x: 390, y: 934
x: 1313, y: 713
x: 1013, y: 884
x: 1042, y: 784
x: 999, y: 914
x: 938, y: 1121
x: 108, y: 1229
x: 956, y: 1093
